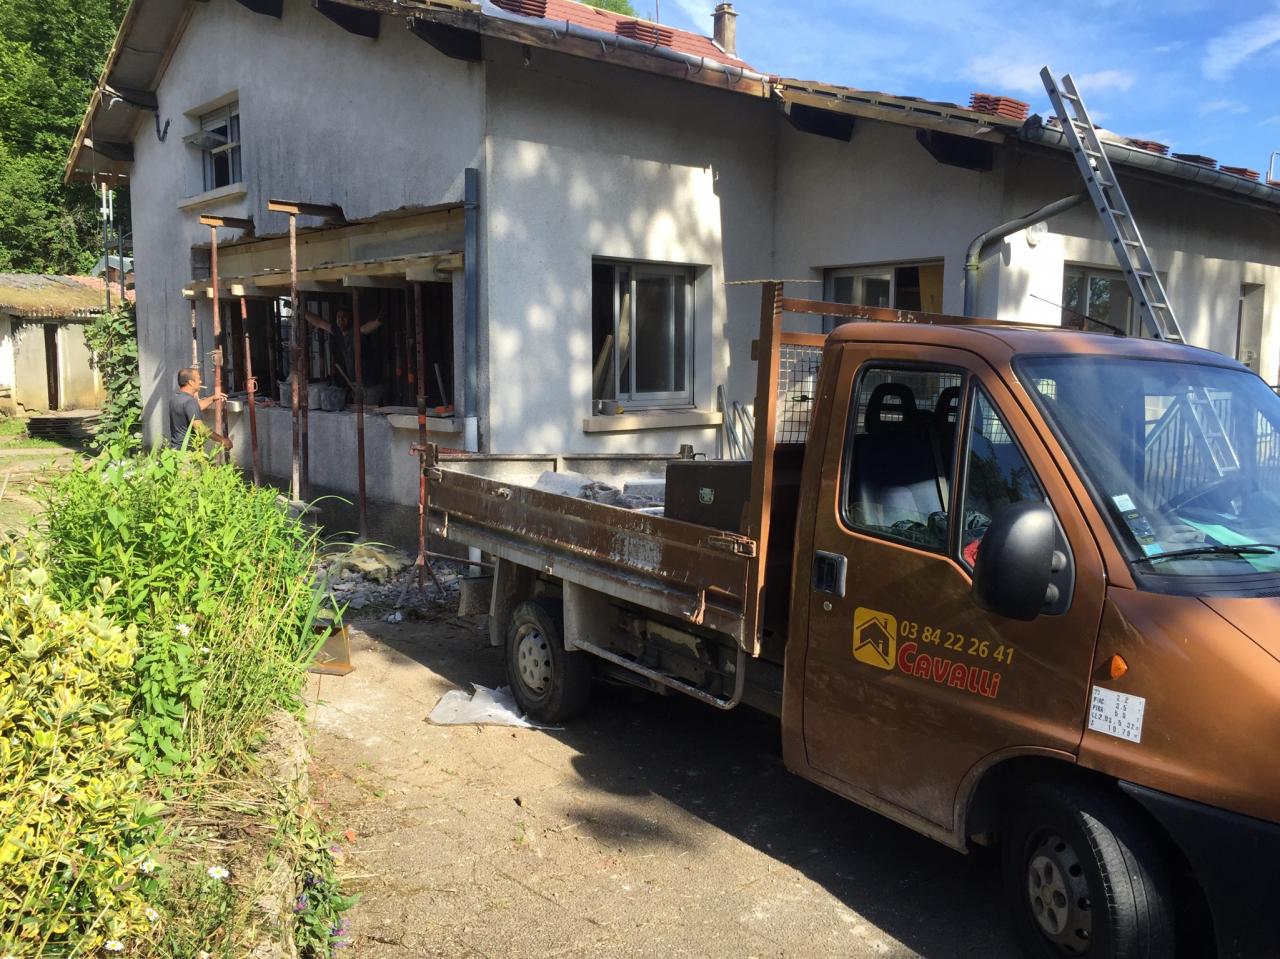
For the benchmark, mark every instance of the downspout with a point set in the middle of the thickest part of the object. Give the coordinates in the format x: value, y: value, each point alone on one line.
x: 981, y: 242
x: 471, y: 285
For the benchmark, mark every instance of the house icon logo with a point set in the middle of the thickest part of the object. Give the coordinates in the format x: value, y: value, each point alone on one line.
x: 875, y: 637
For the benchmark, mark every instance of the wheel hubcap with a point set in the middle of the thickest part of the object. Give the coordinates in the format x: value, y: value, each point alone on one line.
x: 1059, y: 895
x: 533, y: 659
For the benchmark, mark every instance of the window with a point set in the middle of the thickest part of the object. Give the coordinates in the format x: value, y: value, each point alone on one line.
x: 1101, y: 295
x: 219, y: 142
x: 997, y: 476
x: 899, y: 287
x: 642, y: 335
x: 899, y: 464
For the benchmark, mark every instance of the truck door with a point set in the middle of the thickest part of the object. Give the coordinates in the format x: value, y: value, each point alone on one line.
x: 909, y: 685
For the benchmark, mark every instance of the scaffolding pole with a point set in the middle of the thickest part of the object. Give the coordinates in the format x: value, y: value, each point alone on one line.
x: 419, y: 352
x: 219, y: 407
x: 299, y: 400
x: 358, y: 333
x: 251, y: 389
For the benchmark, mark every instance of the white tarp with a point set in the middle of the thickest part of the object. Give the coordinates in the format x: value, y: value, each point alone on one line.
x: 485, y: 707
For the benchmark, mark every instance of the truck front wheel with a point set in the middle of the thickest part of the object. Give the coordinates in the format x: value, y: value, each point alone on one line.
x: 550, y: 684
x: 1085, y: 877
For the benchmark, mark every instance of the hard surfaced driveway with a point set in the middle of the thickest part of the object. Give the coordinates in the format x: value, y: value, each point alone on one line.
x: 650, y: 827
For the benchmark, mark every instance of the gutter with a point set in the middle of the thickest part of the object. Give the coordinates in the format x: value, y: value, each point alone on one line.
x: 1035, y: 131
x: 560, y: 29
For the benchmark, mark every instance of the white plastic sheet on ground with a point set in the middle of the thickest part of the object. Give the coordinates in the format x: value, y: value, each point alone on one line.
x: 485, y: 707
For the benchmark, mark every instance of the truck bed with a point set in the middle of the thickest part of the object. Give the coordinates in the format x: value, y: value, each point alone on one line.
x: 695, y: 573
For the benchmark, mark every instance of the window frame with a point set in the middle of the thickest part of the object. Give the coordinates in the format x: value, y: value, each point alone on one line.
x: 228, y: 113
x: 961, y: 491
x: 669, y: 399
x: 843, y: 517
x: 831, y: 273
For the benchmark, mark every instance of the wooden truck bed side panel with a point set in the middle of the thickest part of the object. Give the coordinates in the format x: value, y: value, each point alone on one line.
x: 696, y: 573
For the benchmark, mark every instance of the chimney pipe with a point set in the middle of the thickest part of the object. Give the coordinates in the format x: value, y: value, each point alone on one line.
x: 726, y: 31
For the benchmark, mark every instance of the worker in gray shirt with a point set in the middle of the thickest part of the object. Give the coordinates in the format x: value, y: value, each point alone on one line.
x: 186, y: 405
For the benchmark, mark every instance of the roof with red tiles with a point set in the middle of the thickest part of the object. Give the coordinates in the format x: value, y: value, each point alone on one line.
x: 606, y: 21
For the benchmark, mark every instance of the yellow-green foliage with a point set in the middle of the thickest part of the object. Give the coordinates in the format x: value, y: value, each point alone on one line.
x: 74, y: 831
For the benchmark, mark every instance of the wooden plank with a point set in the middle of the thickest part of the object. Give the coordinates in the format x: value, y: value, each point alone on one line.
x: 917, y: 118
x: 230, y: 222
x: 328, y: 211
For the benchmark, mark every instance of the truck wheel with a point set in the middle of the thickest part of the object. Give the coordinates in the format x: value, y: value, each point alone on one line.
x: 550, y: 684
x: 1085, y: 877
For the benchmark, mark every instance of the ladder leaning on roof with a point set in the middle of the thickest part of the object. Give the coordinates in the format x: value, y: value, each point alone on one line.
x: 1108, y: 199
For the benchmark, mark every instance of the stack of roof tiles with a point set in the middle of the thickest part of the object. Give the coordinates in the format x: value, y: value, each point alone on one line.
x: 1241, y: 171
x: 1151, y: 146
x: 526, y: 8
x: 1195, y: 158
x: 998, y: 106
x: 646, y: 32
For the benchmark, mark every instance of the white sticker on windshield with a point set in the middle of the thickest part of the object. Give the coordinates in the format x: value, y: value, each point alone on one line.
x: 1123, y: 503
x: 1117, y: 714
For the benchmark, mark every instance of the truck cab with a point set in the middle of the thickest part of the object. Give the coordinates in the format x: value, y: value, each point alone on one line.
x: 1015, y: 586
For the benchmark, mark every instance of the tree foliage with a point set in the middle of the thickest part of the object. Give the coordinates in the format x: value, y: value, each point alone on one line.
x: 617, y: 6
x: 51, y: 52
x: 113, y: 341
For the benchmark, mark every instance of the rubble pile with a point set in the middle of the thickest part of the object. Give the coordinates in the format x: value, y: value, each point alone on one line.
x: 374, y: 577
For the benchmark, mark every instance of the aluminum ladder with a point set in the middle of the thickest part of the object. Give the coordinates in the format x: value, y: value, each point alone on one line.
x: 1145, y: 287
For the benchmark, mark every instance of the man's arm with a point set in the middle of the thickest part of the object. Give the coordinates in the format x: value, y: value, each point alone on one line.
x: 318, y: 321
x: 372, y: 324
x: 207, y: 401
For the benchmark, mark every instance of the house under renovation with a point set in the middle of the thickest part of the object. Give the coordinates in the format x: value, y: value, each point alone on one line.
x: 543, y: 220
x: 45, y: 363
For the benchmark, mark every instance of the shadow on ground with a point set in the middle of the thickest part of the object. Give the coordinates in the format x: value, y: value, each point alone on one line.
x: 726, y: 769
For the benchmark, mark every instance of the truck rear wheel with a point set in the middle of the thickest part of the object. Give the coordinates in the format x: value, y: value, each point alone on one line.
x: 1085, y: 877
x: 550, y: 684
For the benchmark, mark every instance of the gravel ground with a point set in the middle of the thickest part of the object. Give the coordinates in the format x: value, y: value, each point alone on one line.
x: 651, y: 826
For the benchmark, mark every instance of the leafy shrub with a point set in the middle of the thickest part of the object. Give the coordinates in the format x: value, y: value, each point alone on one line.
x: 217, y: 578
x: 73, y: 828
x: 113, y: 339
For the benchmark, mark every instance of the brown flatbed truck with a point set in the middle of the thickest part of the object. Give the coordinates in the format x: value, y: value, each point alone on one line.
x: 1003, y: 585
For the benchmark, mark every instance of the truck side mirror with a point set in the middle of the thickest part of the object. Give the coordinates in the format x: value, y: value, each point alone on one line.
x: 1013, y: 573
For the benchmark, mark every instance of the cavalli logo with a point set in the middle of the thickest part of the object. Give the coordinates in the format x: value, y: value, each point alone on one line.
x: 875, y: 642
x: 875, y: 637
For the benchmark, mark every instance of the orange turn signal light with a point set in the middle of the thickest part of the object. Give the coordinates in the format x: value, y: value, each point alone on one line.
x: 1117, y: 667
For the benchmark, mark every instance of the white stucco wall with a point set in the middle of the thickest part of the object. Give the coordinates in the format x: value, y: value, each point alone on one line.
x: 6, y: 352
x: 586, y: 162
x: 325, y: 116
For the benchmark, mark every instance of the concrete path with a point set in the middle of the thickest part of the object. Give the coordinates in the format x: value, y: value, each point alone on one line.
x: 651, y: 827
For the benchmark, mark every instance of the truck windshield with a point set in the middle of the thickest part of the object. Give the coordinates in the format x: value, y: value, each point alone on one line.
x: 1184, y: 457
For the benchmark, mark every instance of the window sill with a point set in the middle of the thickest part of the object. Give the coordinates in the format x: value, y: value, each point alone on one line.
x: 652, y: 420
x: 223, y: 194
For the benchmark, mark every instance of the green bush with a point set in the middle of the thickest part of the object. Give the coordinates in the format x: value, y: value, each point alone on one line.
x: 113, y: 339
x: 217, y: 578
x: 74, y: 831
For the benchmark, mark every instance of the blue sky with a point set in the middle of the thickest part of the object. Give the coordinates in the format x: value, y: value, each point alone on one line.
x: 1203, y: 77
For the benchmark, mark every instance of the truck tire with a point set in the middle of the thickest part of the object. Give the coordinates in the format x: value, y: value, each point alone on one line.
x: 1085, y: 877
x: 550, y: 684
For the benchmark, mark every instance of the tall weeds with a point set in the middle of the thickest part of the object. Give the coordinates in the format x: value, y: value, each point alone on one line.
x: 216, y: 577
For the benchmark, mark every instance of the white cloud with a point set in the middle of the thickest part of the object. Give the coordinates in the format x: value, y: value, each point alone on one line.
x: 1271, y: 121
x: 1104, y: 80
x: 998, y: 73
x: 1237, y: 44
x: 1173, y: 47
x: 1222, y: 106
x: 696, y: 10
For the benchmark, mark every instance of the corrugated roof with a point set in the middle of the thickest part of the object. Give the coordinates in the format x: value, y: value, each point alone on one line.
x: 42, y: 295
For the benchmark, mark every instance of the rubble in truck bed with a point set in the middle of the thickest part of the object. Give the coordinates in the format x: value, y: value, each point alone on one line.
x: 645, y: 494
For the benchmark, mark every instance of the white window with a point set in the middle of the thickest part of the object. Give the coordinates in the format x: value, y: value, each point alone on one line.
x: 898, y: 286
x: 218, y: 140
x: 1100, y: 295
x: 642, y: 334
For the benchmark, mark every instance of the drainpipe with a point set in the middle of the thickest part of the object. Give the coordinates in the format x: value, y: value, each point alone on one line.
x: 471, y: 285
x: 981, y: 242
